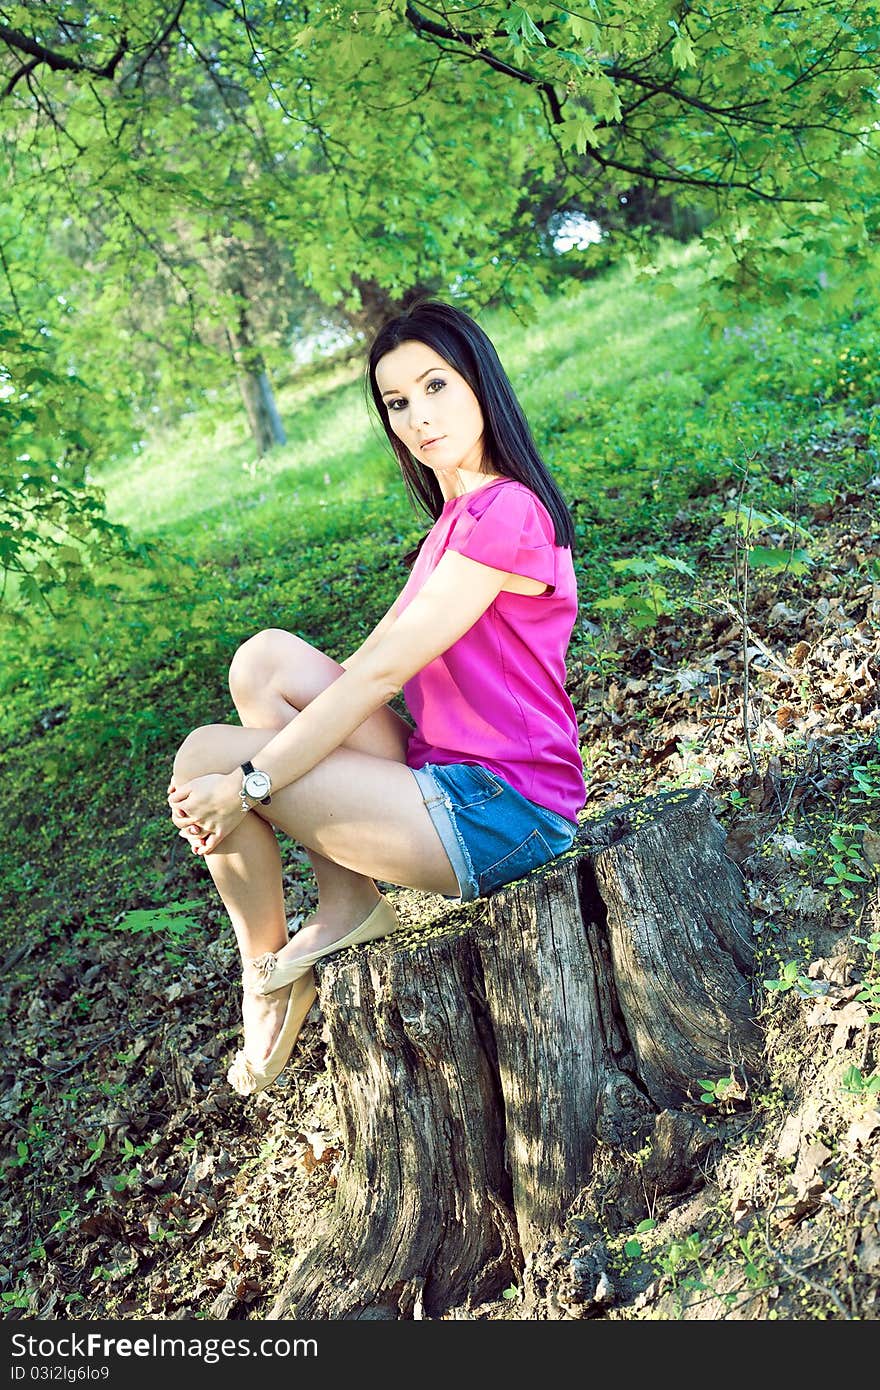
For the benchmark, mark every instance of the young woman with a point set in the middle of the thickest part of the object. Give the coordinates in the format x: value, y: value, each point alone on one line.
x: 487, y: 784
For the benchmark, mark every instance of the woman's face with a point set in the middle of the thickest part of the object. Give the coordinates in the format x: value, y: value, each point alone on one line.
x: 431, y: 408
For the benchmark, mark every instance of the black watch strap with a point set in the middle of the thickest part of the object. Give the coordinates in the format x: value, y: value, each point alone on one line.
x: 249, y: 767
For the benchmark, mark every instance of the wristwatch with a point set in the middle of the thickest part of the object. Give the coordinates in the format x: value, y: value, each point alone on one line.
x: 255, y: 787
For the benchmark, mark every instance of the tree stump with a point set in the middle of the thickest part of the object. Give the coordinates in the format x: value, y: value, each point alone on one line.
x: 481, y: 1063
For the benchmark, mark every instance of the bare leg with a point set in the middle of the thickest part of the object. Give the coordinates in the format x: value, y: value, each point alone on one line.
x: 361, y: 812
x: 272, y: 677
x: 268, y: 675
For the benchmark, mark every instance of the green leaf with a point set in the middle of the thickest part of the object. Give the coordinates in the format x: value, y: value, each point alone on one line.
x: 672, y: 562
x: 521, y: 22
x: 746, y: 519
x: 171, y: 917
x: 683, y: 52
x: 578, y: 132
x: 585, y: 30
x: 97, y: 1150
x: 774, y: 558
x: 634, y: 565
x: 606, y: 100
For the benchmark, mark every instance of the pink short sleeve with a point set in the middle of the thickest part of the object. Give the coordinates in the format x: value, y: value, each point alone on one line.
x: 509, y: 530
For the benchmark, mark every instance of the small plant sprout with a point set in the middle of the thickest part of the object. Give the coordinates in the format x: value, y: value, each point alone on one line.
x: 870, y: 992
x: 791, y: 977
x: 847, y: 855
x: 715, y: 1092
x: 867, y: 778
x: 858, y: 1085
x: 174, y: 921
x: 633, y: 1247
x: 644, y: 598
x: 722, y: 1090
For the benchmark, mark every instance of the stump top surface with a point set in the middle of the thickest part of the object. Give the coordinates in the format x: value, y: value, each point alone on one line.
x: 619, y: 822
x: 427, y: 918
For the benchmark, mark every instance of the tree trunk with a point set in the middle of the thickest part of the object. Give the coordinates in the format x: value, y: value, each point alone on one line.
x: 378, y: 304
x: 492, y: 1068
x: 253, y: 380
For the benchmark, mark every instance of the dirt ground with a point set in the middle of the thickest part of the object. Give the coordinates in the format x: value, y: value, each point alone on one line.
x: 137, y: 1185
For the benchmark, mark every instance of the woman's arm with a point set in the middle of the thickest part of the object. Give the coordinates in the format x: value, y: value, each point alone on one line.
x: 452, y: 599
x: 372, y: 638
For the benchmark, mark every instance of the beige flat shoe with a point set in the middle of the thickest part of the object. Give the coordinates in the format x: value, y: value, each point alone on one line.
x: 246, y: 1076
x: 268, y: 973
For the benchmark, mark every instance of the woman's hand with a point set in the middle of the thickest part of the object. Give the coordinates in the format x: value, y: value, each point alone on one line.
x: 207, y: 809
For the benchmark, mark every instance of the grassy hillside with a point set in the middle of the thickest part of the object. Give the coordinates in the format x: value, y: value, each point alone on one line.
x: 672, y: 445
x: 639, y: 412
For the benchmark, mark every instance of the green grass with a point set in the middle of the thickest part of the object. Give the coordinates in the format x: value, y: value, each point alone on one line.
x: 640, y: 412
x: 202, y: 486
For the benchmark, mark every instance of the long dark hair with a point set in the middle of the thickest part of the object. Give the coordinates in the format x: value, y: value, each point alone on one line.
x: 508, y: 445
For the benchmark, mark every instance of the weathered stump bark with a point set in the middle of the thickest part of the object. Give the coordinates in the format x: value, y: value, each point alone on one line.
x: 480, y: 1064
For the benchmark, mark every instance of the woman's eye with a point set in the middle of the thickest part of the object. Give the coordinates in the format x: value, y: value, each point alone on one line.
x: 398, y: 405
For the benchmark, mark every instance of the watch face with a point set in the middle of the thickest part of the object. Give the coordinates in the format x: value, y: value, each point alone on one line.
x: 257, y: 784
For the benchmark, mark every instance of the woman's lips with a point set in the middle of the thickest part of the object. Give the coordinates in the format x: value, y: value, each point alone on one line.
x: 428, y: 442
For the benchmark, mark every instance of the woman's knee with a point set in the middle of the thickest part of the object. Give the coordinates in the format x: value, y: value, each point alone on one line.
x: 257, y: 659
x: 198, y: 752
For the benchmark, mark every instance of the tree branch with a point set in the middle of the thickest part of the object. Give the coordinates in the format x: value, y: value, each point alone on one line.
x: 744, y: 112
x: 17, y: 76
x: 12, y: 293
x: 161, y: 38
x: 40, y: 55
x: 422, y: 25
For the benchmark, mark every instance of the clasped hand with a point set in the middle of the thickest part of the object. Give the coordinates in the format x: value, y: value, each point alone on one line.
x: 207, y: 809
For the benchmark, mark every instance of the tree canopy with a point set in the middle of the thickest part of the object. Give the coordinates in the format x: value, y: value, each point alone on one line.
x: 191, y: 182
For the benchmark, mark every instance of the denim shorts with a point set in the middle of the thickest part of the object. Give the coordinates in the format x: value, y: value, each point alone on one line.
x: 490, y: 832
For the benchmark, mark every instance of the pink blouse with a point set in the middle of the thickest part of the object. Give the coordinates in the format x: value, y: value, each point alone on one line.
x: 497, y: 696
